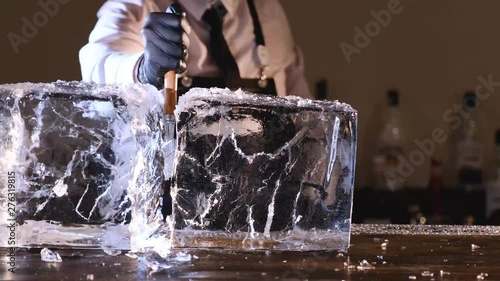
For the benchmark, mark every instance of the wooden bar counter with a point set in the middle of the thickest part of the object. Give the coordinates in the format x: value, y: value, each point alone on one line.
x: 377, y: 252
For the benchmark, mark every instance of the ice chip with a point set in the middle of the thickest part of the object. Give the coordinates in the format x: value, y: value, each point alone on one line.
x: 482, y: 276
x: 427, y: 274
x: 183, y: 257
x: 154, y: 262
x: 442, y: 273
x: 365, y: 265
x: 49, y: 256
x: 90, y: 276
x: 111, y: 251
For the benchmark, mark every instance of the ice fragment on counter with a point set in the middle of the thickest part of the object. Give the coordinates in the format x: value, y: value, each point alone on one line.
x: 349, y: 266
x: 427, y: 274
x: 183, y: 257
x: 90, y: 276
x: 132, y: 255
x: 474, y: 247
x: 482, y: 276
x: 154, y: 262
x: 49, y: 256
x: 365, y: 265
x: 383, y: 246
x: 442, y: 273
x: 412, y: 277
x: 111, y: 251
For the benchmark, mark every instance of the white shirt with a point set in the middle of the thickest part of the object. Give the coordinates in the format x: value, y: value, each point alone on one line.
x: 116, y: 44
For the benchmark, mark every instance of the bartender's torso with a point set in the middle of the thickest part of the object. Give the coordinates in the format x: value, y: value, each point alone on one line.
x: 239, y: 33
x: 238, y: 30
x: 119, y: 24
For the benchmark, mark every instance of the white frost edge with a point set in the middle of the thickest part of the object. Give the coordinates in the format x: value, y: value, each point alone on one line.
x: 198, y: 96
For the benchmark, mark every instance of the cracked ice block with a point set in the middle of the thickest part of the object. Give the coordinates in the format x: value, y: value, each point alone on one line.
x: 75, y: 148
x: 259, y: 172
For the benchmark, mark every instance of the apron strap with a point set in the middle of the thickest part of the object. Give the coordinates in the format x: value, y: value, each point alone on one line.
x: 263, y: 85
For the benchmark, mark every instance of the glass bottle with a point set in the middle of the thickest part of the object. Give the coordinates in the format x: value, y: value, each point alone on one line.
x: 469, y: 147
x: 493, y: 186
x: 389, y: 148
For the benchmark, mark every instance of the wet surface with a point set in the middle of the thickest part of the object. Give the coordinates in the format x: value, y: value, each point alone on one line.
x: 396, y: 253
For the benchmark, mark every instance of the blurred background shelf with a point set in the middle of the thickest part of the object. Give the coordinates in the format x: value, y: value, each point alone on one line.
x: 422, y: 206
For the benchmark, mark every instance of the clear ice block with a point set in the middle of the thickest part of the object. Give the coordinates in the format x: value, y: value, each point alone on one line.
x: 259, y: 172
x: 75, y: 149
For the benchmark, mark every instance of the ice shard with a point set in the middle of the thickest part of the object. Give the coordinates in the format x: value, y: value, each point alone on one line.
x: 75, y: 148
x: 259, y: 172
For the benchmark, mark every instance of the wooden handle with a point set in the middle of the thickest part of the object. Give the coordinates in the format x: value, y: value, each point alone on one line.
x: 170, y: 92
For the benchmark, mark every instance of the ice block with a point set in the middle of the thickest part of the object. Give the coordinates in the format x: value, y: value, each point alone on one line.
x: 259, y: 172
x: 75, y: 148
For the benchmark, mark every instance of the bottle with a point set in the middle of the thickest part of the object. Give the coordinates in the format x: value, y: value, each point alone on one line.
x: 322, y: 89
x: 493, y: 186
x: 389, y: 148
x: 469, y: 149
x: 436, y: 184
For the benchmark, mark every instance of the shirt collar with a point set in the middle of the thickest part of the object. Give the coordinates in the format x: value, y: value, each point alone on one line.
x: 198, y: 7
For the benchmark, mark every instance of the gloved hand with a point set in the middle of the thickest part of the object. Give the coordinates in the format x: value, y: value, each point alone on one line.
x: 165, y: 47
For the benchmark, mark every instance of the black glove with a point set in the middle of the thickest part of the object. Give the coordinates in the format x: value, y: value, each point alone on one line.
x: 163, y: 50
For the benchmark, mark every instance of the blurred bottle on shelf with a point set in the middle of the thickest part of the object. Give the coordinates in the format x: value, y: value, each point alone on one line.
x: 416, y: 215
x: 321, y: 89
x: 389, y: 148
x: 493, y: 186
x: 436, y: 185
x: 469, y: 147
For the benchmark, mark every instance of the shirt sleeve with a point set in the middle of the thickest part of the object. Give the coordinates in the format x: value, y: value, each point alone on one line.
x: 115, y: 45
x: 296, y: 83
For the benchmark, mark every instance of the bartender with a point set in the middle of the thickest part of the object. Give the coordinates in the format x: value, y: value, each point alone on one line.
x: 225, y: 43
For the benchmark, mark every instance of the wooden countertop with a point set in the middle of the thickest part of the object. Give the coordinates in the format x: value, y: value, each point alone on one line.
x: 409, y: 254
